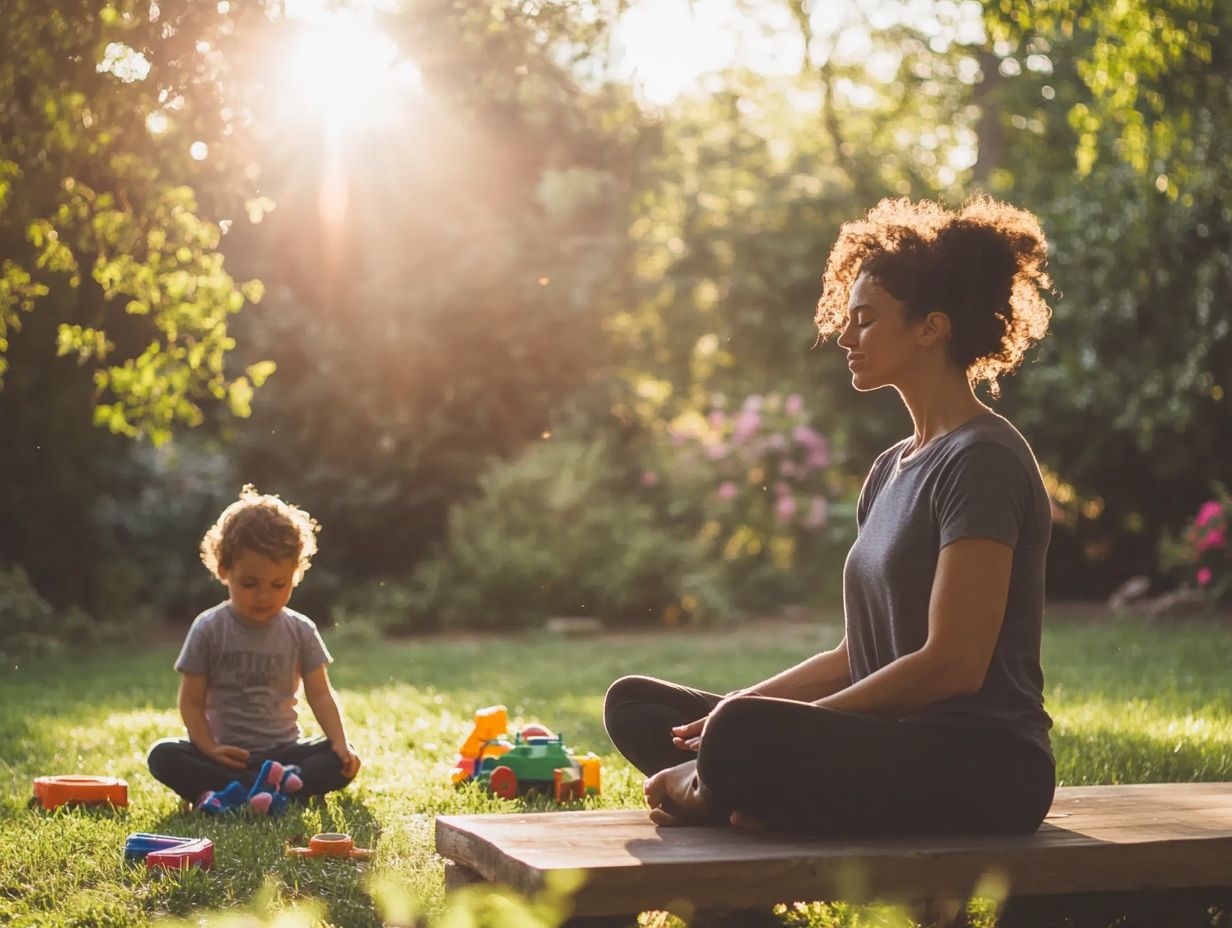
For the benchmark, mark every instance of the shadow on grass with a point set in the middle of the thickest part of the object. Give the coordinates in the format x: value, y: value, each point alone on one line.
x: 1180, y: 908
x: 250, y: 859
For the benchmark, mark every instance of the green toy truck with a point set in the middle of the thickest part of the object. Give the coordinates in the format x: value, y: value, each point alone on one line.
x: 535, y: 760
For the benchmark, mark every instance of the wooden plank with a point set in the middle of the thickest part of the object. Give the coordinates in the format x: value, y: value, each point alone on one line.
x: 1100, y: 838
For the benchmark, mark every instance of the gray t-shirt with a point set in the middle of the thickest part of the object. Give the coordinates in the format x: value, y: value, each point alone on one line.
x: 980, y: 480
x: 252, y: 673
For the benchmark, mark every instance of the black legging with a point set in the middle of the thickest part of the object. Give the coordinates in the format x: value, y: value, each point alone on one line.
x: 178, y: 763
x: 800, y: 767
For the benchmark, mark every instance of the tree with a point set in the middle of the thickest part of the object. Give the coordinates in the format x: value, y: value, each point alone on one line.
x: 450, y: 313
x: 1119, y: 137
x: 105, y: 110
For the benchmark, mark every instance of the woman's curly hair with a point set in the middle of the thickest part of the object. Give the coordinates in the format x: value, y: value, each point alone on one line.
x: 264, y: 524
x: 983, y: 265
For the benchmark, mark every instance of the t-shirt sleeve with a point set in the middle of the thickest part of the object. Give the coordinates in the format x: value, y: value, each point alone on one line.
x: 982, y: 492
x: 195, y: 653
x: 312, y: 650
x: 868, y: 492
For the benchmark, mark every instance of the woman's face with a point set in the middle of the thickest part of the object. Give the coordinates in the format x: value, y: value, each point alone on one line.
x: 881, y: 346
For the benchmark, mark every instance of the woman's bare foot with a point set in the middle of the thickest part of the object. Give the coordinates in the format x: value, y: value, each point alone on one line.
x: 674, y: 796
x: 743, y: 822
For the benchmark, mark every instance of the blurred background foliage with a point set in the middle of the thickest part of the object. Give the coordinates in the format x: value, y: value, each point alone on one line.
x: 476, y: 291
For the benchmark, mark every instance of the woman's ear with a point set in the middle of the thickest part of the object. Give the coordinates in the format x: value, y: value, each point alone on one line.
x: 935, y: 328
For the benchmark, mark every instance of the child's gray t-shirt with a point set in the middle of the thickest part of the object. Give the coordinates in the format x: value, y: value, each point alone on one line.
x: 980, y: 480
x: 252, y: 673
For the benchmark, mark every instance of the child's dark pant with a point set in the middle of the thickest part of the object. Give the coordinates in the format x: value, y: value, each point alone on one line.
x: 800, y: 767
x: 177, y: 763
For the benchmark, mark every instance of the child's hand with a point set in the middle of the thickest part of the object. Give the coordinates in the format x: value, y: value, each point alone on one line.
x: 350, y: 760
x: 229, y: 756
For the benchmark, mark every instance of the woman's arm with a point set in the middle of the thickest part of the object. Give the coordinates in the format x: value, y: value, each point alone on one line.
x: 820, y: 676
x: 324, y: 705
x: 192, y: 711
x: 965, y: 612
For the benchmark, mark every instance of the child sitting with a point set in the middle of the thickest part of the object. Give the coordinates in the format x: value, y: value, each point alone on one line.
x: 240, y: 668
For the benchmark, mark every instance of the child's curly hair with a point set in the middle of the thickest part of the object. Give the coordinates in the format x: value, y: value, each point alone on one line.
x: 264, y: 524
x: 982, y: 265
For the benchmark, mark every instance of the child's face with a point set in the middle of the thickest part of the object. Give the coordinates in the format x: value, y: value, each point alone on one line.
x: 259, y: 587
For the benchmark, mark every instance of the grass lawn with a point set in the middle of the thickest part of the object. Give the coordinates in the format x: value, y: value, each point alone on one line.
x: 1132, y: 702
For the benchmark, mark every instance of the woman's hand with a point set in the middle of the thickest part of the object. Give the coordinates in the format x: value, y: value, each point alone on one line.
x: 346, y: 754
x: 229, y: 756
x: 688, y: 737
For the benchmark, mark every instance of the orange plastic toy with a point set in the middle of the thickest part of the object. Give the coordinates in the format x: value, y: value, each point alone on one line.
x: 52, y: 792
x: 331, y: 845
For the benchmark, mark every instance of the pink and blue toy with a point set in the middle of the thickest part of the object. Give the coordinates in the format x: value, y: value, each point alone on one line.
x: 223, y: 800
x: 269, y: 795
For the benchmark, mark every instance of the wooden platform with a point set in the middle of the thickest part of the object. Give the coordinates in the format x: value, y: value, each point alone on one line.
x: 1096, y: 838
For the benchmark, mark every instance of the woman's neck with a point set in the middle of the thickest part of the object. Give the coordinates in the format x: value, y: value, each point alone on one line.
x: 939, y: 405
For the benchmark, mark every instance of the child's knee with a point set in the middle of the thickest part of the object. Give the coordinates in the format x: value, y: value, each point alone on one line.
x: 161, y: 756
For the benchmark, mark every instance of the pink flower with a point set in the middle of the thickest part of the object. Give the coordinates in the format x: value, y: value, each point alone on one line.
x: 785, y: 508
x: 650, y: 478
x: 717, y: 419
x: 1215, y: 538
x: 727, y: 490
x: 776, y: 442
x: 746, y: 426
x: 716, y: 452
x: 788, y: 469
x: 794, y: 404
x: 1204, y: 576
x: 818, y: 449
x: 1210, y: 509
x: 781, y: 489
x: 817, y: 513
x: 807, y: 437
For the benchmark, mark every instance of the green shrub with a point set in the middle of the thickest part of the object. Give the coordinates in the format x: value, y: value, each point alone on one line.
x: 29, y: 625
x: 557, y: 532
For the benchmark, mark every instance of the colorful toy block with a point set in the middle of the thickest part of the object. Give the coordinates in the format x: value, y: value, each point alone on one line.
x: 168, y: 852
x: 54, y: 791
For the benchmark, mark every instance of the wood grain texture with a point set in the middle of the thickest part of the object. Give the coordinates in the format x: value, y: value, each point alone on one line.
x: 1096, y: 838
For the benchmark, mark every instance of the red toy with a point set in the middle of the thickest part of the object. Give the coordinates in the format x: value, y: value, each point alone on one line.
x: 52, y: 792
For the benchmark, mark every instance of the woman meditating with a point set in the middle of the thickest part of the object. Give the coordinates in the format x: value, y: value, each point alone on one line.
x: 927, y: 718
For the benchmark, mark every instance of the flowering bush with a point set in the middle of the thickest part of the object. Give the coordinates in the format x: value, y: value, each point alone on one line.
x: 1206, y: 544
x: 554, y: 531
x: 760, y: 484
